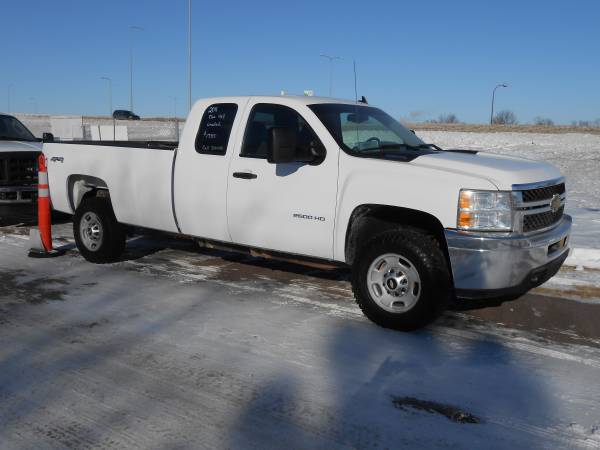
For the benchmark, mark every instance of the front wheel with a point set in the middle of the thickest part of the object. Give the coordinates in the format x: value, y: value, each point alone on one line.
x: 99, y: 237
x: 401, y: 279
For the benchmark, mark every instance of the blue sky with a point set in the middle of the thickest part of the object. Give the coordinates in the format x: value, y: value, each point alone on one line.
x: 422, y: 58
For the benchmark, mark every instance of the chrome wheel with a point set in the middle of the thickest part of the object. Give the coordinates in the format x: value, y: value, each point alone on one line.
x: 394, y: 283
x: 91, y: 232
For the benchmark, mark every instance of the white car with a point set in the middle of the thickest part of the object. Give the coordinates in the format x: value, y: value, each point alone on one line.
x: 329, y: 180
x: 19, y: 150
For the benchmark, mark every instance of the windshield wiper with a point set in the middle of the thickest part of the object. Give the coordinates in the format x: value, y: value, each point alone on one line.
x: 439, y: 149
x: 383, y: 147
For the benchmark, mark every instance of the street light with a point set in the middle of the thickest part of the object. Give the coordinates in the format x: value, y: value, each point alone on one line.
x: 34, y: 102
x: 132, y: 28
x: 8, y: 97
x: 493, y: 97
x: 189, y: 56
x: 175, y: 118
x: 110, y: 110
x: 331, y: 58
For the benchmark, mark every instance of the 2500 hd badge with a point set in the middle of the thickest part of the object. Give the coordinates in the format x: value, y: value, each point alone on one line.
x: 308, y: 217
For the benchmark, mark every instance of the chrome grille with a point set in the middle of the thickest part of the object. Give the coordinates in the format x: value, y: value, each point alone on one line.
x: 539, y: 207
x: 544, y: 193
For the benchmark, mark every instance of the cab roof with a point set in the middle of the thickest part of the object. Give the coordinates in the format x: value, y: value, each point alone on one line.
x: 297, y: 99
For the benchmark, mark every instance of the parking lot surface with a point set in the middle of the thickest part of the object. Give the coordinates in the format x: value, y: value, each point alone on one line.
x: 181, y: 347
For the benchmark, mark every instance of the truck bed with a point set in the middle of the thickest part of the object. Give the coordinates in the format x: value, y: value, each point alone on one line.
x: 138, y: 175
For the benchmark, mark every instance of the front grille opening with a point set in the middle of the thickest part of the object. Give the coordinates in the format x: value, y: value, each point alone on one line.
x: 533, y: 222
x: 18, y: 171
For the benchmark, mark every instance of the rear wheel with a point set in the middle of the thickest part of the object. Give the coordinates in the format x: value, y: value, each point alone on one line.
x: 401, y: 279
x: 98, y: 235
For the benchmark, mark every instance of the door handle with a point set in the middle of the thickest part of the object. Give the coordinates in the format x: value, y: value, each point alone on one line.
x: 245, y: 175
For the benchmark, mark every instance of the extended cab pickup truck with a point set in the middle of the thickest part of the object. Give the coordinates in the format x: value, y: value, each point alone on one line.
x: 330, y: 180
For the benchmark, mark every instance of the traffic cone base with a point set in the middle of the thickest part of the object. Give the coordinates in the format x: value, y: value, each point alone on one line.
x: 37, y: 249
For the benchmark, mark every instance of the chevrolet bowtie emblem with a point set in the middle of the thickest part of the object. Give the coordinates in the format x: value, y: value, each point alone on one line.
x: 555, y: 203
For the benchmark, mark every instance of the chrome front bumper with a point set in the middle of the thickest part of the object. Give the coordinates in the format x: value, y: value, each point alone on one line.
x: 497, y: 266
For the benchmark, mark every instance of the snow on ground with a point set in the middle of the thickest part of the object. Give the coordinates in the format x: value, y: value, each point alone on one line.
x: 577, y: 156
x: 181, y: 348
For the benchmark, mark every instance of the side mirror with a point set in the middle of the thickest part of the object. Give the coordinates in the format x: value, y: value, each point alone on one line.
x: 283, y: 142
x: 47, y: 137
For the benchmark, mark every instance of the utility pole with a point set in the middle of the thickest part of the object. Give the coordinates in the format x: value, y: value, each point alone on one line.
x: 331, y: 58
x: 493, y: 98
x: 189, y: 55
x: 132, y: 28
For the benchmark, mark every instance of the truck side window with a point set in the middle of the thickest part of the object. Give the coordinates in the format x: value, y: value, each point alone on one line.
x: 265, y: 116
x: 215, y: 128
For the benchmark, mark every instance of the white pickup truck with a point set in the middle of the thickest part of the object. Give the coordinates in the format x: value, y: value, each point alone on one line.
x: 331, y: 180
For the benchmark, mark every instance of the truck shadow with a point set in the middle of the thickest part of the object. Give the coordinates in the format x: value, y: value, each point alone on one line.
x: 353, y: 402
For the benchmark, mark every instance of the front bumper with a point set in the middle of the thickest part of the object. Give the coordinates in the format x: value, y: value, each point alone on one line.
x: 17, y: 194
x: 486, y: 266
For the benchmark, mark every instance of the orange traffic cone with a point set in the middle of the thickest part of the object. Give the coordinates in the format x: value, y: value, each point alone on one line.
x: 41, y: 239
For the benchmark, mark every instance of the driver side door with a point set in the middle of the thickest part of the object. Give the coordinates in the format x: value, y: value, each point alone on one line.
x: 287, y: 207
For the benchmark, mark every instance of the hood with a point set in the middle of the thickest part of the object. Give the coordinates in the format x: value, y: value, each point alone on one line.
x: 503, y: 171
x: 20, y: 146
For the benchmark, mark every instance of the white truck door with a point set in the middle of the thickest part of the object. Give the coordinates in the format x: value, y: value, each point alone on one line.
x: 284, y: 207
x: 201, y: 168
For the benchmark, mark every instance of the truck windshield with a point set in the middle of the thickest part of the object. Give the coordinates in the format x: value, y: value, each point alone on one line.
x: 13, y: 130
x: 364, y: 129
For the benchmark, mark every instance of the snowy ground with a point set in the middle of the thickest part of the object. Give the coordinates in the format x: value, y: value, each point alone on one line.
x: 176, y: 347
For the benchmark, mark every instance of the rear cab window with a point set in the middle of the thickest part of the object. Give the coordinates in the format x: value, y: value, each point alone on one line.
x: 215, y: 129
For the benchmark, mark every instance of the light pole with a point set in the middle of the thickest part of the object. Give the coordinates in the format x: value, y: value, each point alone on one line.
x: 8, y: 97
x: 189, y: 55
x: 110, y: 110
x: 331, y: 58
x: 175, y: 117
x: 493, y: 98
x: 34, y: 103
x: 132, y: 28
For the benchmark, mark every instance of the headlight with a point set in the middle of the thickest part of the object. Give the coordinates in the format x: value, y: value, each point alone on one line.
x: 485, y: 211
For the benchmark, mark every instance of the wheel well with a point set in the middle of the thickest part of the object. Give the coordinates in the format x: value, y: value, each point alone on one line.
x: 84, y: 186
x: 370, y: 220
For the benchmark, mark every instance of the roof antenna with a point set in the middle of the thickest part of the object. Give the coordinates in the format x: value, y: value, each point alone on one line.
x: 355, y: 90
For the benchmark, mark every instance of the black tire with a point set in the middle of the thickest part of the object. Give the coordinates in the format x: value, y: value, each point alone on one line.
x: 107, y: 245
x: 424, y: 254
